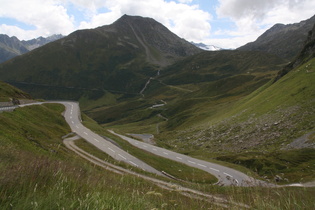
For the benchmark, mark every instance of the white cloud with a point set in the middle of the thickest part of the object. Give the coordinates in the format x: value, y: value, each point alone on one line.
x: 187, y: 21
x: 185, y: 1
x: 51, y: 16
x: 252, y: 18
x: 45, y: 15
x: 183, y: 17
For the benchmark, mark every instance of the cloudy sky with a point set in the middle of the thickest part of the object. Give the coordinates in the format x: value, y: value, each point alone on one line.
x: 224, y: 23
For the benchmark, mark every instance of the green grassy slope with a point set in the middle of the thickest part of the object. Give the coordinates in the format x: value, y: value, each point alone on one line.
x: 7, y: 91
x: 267, y: 122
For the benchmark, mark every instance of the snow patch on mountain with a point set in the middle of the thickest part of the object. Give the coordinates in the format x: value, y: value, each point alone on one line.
x: 207, y: 47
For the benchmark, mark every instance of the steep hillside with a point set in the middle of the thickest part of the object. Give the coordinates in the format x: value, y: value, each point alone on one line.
x: 7, y: 92
x: 307, y: 53
x: 116, y: 58
x: 272, y: 116
x: 285, y: 41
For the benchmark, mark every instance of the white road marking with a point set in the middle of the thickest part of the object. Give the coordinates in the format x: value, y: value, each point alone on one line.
x: 111, y: 149
x: 165, y: 153
x: 72, y: 122
x: 214, y: 169
x: 179, y: 158
x: 70, y: 117
x: 85, y: 133
x: 154, y: 149
x: 136, y: 143
x: 77, y: 126
x: 122, y: 156
x: 227, y: 174
x: 96, y: 140
x: 201, y: 165
x: 133, y: 163
x: 191, y: 162
x: 145, y: 146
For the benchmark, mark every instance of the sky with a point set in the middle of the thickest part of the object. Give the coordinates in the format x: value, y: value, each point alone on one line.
x: 223, y: 23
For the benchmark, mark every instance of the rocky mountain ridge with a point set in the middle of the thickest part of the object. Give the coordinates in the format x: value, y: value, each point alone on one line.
x: 12, y: 46
x: 282, y: 40
x: 40, y: 41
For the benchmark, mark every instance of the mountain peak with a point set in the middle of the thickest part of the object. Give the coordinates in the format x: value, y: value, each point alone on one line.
x: 148, y: 34
x: 128, y: 18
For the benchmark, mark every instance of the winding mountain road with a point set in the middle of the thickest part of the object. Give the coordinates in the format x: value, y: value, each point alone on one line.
x: 72, y: 116
x: 225, y: 175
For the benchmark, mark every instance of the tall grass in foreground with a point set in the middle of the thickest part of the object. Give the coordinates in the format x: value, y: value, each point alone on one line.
x: 42, y: 183
x: 274, y: 198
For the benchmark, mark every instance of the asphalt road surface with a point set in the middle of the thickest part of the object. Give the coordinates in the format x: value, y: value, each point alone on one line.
x: 225, y: 175
x: 72, y: 116
x: 8, y: 108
